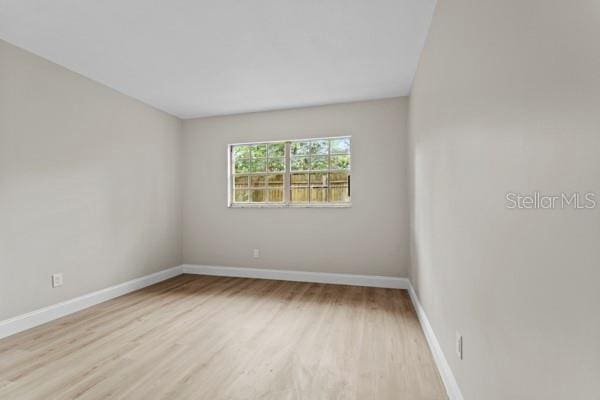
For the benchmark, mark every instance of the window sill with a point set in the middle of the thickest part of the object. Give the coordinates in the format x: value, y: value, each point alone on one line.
x: 340, y: 205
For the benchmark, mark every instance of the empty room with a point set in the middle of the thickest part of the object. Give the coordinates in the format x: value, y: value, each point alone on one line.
x: 309, y: 200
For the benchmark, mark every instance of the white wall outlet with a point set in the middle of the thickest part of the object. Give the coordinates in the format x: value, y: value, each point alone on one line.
x: 256, y: 253
x: 57, y: 280
x: 459, y: 346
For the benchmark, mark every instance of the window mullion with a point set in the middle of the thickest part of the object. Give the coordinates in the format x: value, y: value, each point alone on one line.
x: 287, y: 174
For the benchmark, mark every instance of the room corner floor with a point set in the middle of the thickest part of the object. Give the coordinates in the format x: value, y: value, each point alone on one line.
x: 200, y: 337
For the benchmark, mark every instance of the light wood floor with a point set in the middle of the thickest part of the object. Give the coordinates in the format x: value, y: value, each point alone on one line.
x: 200, y: 337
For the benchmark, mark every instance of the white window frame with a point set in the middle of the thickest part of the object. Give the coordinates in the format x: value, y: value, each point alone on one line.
x: 286, y: 177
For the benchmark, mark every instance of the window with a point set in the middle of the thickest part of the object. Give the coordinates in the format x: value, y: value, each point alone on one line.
x: 312, y: 173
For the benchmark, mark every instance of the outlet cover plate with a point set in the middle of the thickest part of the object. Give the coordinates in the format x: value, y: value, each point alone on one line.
x: 459, y: 346
x: 57, y: 280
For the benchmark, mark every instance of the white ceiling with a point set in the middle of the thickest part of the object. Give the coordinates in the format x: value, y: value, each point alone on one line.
x: 208, y: 57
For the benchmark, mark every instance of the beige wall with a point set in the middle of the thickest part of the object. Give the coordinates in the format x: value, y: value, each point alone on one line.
x: 89, y: 185
x: 506, y: 98
x: 369, y: 238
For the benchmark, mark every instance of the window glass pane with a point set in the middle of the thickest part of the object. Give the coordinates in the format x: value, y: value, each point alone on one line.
x: 340, y: 146
x: 338, y: 194
x: 258, y: 150
x: 318, y: 195
x: 299, y: 163
x: 319, y: 163
x: 257, y: 180
x: 318, y: 171
x: 300, y: 148
x: 319, y: 179
x: 275, y: 180
x: 276, y: 165
x: 258, y: 196
x: 299, y: 195
x: 338, y: 178
x: 275, y: 195
x: 276, y: 149
x: 241, y: 181
x: 340, y: 162
x: 241, y: 196
x: 299, y: 179
x: 319, y: 147
x: 242, y: 165
x: 241, y: 152
x: 258, y: 165
x: 338, y: 190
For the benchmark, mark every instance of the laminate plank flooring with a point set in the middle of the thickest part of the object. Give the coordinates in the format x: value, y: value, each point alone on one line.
x: 202, y: 337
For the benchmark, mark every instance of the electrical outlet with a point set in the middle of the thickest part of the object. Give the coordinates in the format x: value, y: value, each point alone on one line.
x: 459, y: 346
x: 256, y: 253
x: 57, y: 280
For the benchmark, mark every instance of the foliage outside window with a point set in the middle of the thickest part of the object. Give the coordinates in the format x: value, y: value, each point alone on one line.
x: 312, y: 172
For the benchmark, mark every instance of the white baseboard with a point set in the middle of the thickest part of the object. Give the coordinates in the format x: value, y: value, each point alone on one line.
x: 448, y: 378
x: 38, y: 317
x: 300, y: 276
